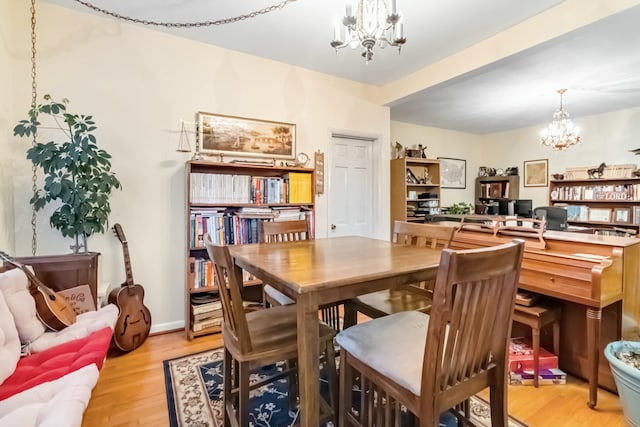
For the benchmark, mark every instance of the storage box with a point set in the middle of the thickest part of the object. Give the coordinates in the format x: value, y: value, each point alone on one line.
x: 545, y: 376
x: 521, y: 357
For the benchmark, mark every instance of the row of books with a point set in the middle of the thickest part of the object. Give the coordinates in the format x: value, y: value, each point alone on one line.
x: 494, y: 190
x: 619, y: 215
x: 239, y: 226
x: 521, y: 365
x: 597, y: 192
x: 201, y: 273
x: 293, y: 187
x: 206, y: 315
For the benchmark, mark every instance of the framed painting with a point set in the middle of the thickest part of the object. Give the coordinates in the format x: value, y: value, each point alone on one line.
x: 238, y: 136
x: 453, y: 173
x: 622, y: 215
x: 536, y: 173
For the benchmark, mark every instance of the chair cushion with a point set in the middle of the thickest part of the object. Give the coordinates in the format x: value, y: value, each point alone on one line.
x: 9, y: 341
x: 85, y: 324
x: 15, y: 287
x: 277, y: 296
x: 57, y: 361
x: 51, y: 404
x: 392, y: 345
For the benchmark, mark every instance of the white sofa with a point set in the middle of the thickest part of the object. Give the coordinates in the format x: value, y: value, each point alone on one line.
x: 46, y: 377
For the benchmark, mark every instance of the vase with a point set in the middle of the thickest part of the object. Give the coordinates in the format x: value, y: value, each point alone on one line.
x: 627, y: 379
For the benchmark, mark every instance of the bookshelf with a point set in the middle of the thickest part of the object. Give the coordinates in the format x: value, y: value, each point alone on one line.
x: 230, y: 201
x: 610, y: 206
x: 491, y: 188
x: 412, y: 196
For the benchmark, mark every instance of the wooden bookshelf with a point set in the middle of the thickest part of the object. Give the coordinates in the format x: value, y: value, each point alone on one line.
x: 229, y: 202
x: 409, y: 188
x: 491, y: 188
x: 608, y: 206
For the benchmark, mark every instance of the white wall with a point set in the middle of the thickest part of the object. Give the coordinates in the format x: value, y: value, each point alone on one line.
x: 605, y: 138
x: 138, y: 84
x: 445, y: 143
x: 6, y: 113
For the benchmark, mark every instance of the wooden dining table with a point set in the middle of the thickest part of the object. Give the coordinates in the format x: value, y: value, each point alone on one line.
x: 323, y: 271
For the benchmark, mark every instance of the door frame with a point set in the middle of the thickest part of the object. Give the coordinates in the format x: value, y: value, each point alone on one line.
x: 377, y: 179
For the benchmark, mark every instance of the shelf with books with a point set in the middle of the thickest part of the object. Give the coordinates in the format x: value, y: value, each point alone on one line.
x: 490, y: 188
x: 607, y: 206
x: 229, y: 202
x: 415, y: 189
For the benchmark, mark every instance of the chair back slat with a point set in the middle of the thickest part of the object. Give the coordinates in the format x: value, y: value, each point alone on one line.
x: 285, y: 231
x: 229, y: 279
x: 422, y: 235
x: 470, y: 322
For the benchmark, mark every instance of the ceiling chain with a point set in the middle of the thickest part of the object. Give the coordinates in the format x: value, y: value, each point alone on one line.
x: 188, y: 24
x: 34, y: 100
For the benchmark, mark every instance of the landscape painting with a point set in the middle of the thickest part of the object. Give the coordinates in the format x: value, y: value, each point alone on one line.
x: 237, y: 136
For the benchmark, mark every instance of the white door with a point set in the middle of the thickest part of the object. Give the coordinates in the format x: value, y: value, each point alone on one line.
x: 350, y: 187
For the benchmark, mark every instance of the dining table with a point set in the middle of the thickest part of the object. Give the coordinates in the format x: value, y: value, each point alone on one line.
x: 330, y: 270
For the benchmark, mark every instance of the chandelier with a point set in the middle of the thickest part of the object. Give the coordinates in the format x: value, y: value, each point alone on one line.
x: 373, y: 23
x: 560, y: 134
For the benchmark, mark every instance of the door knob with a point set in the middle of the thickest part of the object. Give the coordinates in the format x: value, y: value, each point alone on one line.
x: 333, y: 226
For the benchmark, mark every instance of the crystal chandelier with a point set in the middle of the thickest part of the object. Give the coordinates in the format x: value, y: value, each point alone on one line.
x: 560, y: 134
x: 373, y: 23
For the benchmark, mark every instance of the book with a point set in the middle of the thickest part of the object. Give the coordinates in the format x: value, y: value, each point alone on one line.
x: 207, y: 315
x: 521, y: 356
x: 207, y: 323
x: 207, y: 307
x: 545, y: 376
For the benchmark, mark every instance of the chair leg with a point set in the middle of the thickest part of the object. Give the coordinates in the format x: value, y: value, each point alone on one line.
x: 346, y: 387
x: 243, y: 401
x: 535, y: 336
x: 498, y: 397
x: 350, y: 315
x: 227, y: 411
x: 332, y: 379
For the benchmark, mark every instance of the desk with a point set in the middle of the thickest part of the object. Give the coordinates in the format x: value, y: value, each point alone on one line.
x: 323, y: 271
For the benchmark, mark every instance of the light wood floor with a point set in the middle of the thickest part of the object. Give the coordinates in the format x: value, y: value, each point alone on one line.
x: 130, y: 392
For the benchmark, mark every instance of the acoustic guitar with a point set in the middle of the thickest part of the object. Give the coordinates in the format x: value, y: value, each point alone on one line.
x: 134, y: 320
x: 53, y: 310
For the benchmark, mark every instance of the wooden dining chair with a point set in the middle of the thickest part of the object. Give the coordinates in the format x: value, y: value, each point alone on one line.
x: 417, y: 296
x: 430, y: 363
x: 260, y: 338
x: 293, y: 231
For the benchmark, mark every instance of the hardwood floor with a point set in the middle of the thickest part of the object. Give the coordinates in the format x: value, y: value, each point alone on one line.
x: 130, y: 391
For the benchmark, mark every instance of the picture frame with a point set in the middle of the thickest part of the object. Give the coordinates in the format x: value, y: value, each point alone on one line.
x: 238, y: 136
x: 453, y: 172
x: 600, y: 214
x: 536, y: 173
x: 622, y: 215
x: 411, y: 177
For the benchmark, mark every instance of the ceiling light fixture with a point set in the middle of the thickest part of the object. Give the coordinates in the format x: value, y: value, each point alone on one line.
x: 560, y: 134
x: 373, y: 23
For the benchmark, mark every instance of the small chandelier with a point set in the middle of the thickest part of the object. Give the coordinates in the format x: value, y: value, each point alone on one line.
x: 373, y: 23
x: 560, y: 134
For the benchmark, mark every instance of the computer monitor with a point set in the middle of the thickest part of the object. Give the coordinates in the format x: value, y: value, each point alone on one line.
x: 506, y: 207
x: 524, y: 208
x: 556, y: 218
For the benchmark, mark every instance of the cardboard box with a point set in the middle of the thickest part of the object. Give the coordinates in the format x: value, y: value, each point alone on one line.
x: 545, y: 376
x: 521, y: 356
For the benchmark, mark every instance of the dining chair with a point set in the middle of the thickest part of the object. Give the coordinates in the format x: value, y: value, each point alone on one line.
x: 293, y: 231
x: 431, y: 363
x: 256, y: 339
x: 411, y: 297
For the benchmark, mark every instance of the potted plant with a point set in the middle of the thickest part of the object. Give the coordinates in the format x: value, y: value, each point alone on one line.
x: 77, y: 173
x: 461, y: 208
x: 624, y: 360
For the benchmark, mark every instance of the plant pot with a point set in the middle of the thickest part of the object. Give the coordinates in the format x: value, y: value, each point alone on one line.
x: 627, y: 379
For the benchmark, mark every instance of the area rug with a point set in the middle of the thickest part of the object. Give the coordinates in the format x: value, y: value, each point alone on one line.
x: 194, y: 396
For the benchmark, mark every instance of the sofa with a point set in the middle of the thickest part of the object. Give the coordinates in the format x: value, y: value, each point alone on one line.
x: 46, y: 377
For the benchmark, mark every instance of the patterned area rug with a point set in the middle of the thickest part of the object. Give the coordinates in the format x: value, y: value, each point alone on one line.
x: 194, y: 396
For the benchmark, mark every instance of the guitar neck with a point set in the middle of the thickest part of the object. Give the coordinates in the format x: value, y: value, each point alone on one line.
x: 32, y: 277
x: 127, y: 264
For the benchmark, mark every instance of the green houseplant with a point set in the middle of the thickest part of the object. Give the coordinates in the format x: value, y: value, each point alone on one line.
x: 461, y: 208
x: 77, y: 173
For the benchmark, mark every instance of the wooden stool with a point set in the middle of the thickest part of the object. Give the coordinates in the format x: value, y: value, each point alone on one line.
x: 536, y: 317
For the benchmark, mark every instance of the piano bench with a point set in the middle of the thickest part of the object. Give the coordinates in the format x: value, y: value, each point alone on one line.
x: 536, y: 317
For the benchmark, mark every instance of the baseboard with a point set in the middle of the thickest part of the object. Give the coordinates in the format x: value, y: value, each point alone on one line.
x: 166, y: 327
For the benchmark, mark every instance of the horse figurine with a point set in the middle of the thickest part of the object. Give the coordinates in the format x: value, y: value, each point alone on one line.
x: 596, y: 171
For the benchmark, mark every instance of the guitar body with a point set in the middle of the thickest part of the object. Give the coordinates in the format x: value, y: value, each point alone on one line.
x: 53, y: 310
x: 134, y: 320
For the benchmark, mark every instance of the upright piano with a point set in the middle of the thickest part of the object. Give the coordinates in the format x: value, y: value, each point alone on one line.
x: 596, y: 278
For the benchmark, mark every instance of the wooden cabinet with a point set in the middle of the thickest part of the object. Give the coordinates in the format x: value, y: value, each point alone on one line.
x: 609, y: 206
x: 415, y: 189
x: 229, y: 201
x: 490, y: 188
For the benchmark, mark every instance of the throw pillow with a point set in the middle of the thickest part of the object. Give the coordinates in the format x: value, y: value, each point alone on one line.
x: 14, y: 284
x: 9, y: 342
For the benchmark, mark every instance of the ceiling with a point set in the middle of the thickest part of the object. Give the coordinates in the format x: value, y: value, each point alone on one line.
x: 599, y: 63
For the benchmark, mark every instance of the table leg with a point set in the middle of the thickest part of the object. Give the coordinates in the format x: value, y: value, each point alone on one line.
x: 594, y: 316
x: 308, y: 356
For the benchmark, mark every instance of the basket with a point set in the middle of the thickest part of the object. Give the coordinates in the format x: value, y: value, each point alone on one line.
x: 610, y: 172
